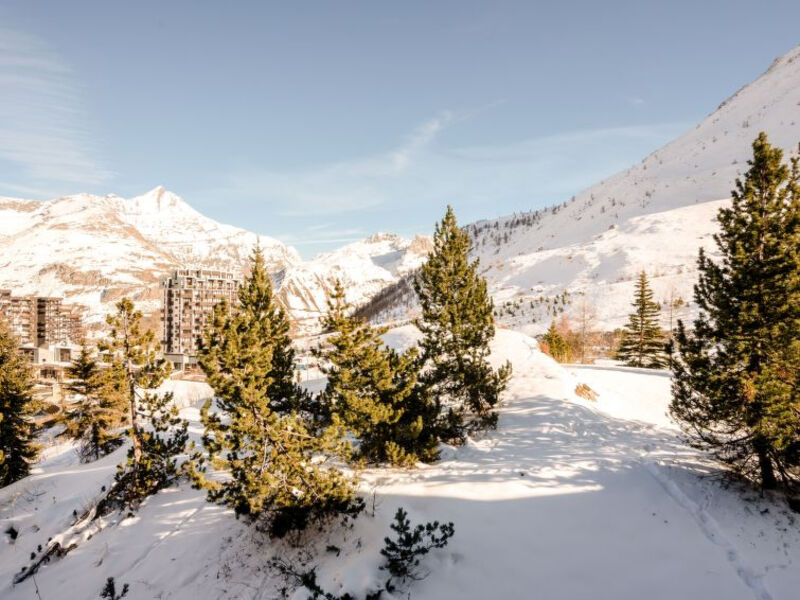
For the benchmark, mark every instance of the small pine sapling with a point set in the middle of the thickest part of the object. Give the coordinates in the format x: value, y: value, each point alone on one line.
x: 403, y: 554
x: 110, y: 590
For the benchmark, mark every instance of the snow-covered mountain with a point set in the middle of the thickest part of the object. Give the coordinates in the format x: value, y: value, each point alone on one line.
x: 653, y: 216
x: 93, y: 249
x: 365, y: 268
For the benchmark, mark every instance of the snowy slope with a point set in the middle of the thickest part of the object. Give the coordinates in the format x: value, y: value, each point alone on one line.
x: 93, y: 249
x: 564, y: 501
x: 653, y: 216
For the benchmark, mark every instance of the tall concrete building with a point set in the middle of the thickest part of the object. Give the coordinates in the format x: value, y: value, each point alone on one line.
x: 50, y: 321
x: 189, y: 299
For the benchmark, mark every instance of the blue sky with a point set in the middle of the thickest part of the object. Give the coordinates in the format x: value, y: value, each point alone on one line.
x: 322, y: 122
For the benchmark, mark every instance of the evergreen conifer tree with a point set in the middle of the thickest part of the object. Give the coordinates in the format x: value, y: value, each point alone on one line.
x: 374, y: 390
x: 457, y: 325
x: 163, y: 438
x: 279, y: 460
x: 735, y: 389
x: 157, y: 435
x: 643, y: 343
x: 17, y: 446
x: 100, y: 408
x: 557, y: 346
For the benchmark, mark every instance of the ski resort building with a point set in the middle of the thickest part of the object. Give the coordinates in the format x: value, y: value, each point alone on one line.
x: 189, y: 299
x: 20, y: 314
x: 38, y: 321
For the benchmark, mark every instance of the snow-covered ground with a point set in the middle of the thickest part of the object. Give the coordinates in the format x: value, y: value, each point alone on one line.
x: 629, y: 393
x: 568, y: 499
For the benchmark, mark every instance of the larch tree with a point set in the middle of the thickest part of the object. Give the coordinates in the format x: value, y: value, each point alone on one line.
x: 736, y: 390
x: 642, y: 343
x: 457, y: 325
x: 18, y: 448
x: 374, y: 390
x: 280, y: 463
x: 584, y: 334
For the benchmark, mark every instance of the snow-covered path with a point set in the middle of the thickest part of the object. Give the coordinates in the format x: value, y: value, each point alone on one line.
x: 567, y: 500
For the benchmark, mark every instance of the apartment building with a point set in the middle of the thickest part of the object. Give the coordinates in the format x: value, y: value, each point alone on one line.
x: 20, y: 314
x: 41, y: 321
x: 189, y: 299
x: 50, y: 321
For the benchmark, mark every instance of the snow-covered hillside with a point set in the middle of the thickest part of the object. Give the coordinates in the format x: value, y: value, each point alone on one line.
x: 653, y: 216
x: 567, y: 500
x: 365, y: 268
x: 93, y: 249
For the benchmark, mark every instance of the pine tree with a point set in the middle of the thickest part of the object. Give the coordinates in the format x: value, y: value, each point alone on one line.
x: 374, y: 390
x: 153, y: 454
x: 109, y: 591
x: 17, y: 407
x: 100, y: 408
x: 279, y: 460
x: 643, y: 343
x: 556, y: 345
x: 255, y: 340
x: 163, y: 438
x: 735, y: 389
x: 457, y: 325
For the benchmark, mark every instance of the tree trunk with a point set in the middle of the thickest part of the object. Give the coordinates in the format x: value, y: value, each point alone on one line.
x: 137, y: 446
x: 768, y: 479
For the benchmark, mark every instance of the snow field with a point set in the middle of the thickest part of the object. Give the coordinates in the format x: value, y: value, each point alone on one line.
x: 568, y: 499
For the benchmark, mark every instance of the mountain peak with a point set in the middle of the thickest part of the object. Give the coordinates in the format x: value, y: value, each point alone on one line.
x: 159, y: 199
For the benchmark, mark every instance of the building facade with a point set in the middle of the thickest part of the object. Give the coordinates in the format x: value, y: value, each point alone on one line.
x: 50, y: 321
x: 20, y: 314
x: 189, y: 299
x: 41, y: 321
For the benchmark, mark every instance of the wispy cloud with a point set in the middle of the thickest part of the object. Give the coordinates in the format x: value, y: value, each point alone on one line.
x: 422, y: 172
x: 46, y: 141
x: 635, y: 100
x: 324, y: 234
x: 343, y: 186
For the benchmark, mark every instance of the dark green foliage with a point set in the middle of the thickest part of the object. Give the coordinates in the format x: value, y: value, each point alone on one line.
x: 100, y: 408
x: 163, y: 440
x: 404, y: 553
x: 110, y: 590
x: 643, y: 343
x: 402, y: 558
x: 253, y: 345
x: 17, y: 407
x: 736, y: 390
x: 457, y: 325
x: 556, y: 345
x: 278, y: 458
x: 374, y: 392
x: 157, y: 434
x: 308, y: 580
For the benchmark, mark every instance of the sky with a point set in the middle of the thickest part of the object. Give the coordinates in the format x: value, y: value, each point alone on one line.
x: 319, y: 123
